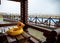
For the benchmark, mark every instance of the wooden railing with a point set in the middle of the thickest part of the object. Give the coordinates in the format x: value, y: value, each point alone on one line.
x: 8, y: 24
x: 51, y: 36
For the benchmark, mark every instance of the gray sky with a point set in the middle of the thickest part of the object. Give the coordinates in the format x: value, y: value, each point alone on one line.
x: 10, y: 7
x: 44, y: 7
x: 47, y: 7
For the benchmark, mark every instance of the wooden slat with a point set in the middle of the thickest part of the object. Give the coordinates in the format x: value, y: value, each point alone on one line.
x: 8, y: 24
x: 34, y: 40
x: 26, y: 35
x: 10, y: 39
x: 19, y: 37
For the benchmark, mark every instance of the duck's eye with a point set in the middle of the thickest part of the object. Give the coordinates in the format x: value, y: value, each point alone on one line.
x: 19, y: 24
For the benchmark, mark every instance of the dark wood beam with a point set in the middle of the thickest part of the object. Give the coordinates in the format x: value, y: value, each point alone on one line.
x: 24, y: 12
x: 8, y: 24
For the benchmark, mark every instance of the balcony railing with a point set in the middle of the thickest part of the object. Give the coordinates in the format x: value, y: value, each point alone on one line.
x: 50, y: 22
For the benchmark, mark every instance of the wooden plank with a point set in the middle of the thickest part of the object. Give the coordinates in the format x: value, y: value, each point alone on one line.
x: 8, y: 24
x: 10, y: 39
x: 19, y: 37
x: 34, y: 40
x: 26, y: 35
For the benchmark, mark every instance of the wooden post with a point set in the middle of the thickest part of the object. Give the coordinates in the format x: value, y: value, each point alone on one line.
x: 24, y: 12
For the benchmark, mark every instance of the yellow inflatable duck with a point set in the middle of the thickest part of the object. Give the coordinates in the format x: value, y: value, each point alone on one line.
x: 16, y: 31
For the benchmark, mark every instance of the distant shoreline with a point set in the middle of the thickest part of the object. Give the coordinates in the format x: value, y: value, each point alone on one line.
x: 44, y: 16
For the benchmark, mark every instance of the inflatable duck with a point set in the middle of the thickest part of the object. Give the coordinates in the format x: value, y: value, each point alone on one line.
x: 16, y: 31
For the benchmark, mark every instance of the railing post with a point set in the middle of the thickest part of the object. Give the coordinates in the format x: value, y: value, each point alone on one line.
x: 42, y: 20
x: 36, y: 20
x: 49, y: 20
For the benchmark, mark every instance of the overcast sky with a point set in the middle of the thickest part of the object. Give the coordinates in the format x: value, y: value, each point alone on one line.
x: 9, y: 6
x: 35, y: 7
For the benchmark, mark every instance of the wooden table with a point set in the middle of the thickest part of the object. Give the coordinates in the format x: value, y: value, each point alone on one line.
x: 16, y: 39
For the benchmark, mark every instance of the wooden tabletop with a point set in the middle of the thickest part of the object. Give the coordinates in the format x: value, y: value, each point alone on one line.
x: 17, y: 38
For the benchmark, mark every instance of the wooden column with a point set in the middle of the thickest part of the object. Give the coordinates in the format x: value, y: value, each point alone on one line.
x: 24, y: 12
